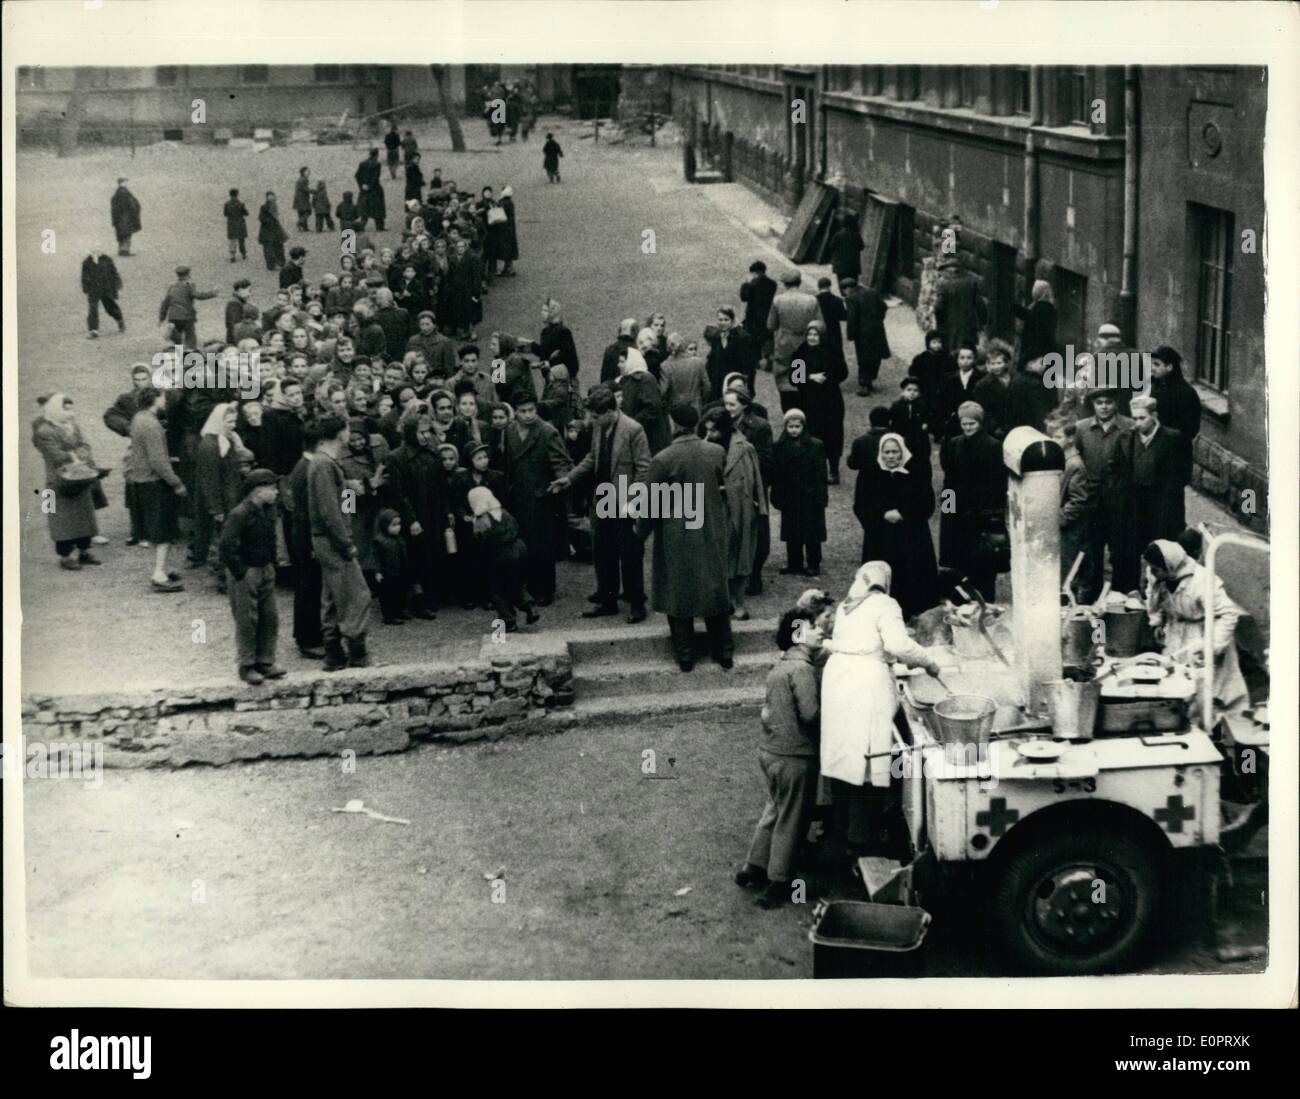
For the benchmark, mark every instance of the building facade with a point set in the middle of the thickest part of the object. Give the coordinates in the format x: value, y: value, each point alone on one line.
x: 1130, y: 190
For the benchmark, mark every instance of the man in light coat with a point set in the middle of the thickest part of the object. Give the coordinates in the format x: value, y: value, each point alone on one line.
x: 618, y: 450
x: 792, y: 311
x: 689, y: 566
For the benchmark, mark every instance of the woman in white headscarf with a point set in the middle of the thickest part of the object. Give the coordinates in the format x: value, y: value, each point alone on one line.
x: 859, y: 697
x: 1038, y: 335
x: 219, y: 481
x: 894, y: 510
x: 643, y: 400
x: 1176, y: 605
x: 71, y: 481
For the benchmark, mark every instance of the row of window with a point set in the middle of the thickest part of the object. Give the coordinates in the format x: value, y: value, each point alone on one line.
x: 1069, y: 91
x: 34, y: 76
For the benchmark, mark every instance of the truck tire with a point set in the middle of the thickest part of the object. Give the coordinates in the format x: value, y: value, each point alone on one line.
x: 1077, y: 903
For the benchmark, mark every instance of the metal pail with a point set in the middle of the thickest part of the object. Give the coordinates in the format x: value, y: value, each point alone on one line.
x: 1072, y: 706
x: 963, y: 720
x: 1123, y: 628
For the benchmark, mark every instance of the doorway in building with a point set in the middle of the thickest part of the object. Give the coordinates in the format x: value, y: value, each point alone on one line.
x: 595, y: 90
x: 1002, y: 291
x: 479, y: 78
x: 1071, y: 290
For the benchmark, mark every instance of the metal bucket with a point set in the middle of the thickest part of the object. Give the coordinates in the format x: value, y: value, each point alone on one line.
x: 1072, y: 706
x: 963, y: 720
x: 1077, y: 644
x: 1123, y: 629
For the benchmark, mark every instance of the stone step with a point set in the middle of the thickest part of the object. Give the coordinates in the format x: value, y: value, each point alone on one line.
x: 738, y: 703
x: 650, y: 641
x: 623, y: 678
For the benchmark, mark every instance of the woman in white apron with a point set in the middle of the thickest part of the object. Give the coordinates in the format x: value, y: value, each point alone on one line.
x: 858, y: 693
x: 1176, y: 599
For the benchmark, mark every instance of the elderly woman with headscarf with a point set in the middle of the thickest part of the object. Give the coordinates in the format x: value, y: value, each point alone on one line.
x: 859, y: 697
x: 218, y: 482
x: 895, y: 515
x: 1179, y: 593
x: 643, y: 401
x: 1038, y: 334
x: 976, y: 478
x: 73, y: 492
x: 818, y: 369
x: 746, y: 504
x: 496, y: 535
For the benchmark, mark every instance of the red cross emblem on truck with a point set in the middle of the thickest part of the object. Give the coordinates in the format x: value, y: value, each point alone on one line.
x: 997, y: 816
x: 1174, y: 813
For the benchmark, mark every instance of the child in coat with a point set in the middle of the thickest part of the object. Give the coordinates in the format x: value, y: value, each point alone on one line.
x: 320, y: 204
x: 496, y: 534
x: 390, y: 567
x: 799, y: 492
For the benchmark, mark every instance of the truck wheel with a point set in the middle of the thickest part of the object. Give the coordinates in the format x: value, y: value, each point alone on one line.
x: 1077, y: 903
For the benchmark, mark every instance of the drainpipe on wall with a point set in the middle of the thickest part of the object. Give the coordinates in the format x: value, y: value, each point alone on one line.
x: 1128, y: 280
x: 1031, y: 179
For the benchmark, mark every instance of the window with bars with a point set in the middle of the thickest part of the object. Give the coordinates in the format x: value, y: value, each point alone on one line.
x: 1020, y: 89
x: 254, y: 74
x: 1211, y: 238
x: 327, y: 74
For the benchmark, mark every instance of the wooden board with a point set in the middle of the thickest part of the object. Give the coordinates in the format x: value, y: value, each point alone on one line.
x: 878, y: 222
x: 809, y: 219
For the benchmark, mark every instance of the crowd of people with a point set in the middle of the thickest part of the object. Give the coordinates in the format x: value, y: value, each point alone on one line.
x: 466, y: 469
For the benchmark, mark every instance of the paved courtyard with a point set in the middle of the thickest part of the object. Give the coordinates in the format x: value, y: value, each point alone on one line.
x: 581, y: 241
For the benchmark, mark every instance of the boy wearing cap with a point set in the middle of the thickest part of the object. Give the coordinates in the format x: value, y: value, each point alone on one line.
x: 291, y: 273
x: 177, y: 311
x: 248, y: 552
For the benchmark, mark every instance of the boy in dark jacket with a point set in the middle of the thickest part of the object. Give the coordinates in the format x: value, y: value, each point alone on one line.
x: 390, y: 567
x: 799, y: 479
x: 320, y: 204
x: 497, y: 537
x: 248, y: 550
x: 788, y: 755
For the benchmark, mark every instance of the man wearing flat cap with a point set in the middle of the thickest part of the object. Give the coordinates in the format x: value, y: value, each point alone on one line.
x: 177, y: 312
x: 248, y: 552
x: 689, y: 563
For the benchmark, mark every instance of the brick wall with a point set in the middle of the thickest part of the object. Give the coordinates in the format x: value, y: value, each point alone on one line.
x: 512, y: 689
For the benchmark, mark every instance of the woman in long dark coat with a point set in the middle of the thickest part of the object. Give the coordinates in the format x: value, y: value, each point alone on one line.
x: 974, y: 473
x: 1038, y: 335
x: 799, y: 494
x: 464, y: 287
x: 819, y: 394
x: 1177, y: 403
x: 895, y: 518
x: 73, y: 489
x: 510, y: 238
x: 270, y: 233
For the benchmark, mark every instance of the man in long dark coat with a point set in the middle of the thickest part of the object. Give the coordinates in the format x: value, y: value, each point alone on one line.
x: 959, y: 311
x: 370, y: 200
x: 100, y: 282
x: 535, y: 456
x: 1150, y: 460
x: 757, y: 293
x: 865, y: 329
x: 125, y: 212
x: 689, y: 563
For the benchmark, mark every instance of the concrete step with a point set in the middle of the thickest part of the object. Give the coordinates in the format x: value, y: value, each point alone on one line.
x: 622, y: 678
x: 649, y: 641
x: 738, y: 703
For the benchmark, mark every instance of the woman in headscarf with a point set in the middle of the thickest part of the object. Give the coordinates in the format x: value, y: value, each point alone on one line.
x: 975, y: 475
x: 643, y: 401
x: 684, y: 377
x: 218, y: 482
x: 496, y: 534
x: 1038, y: 335
x: 71, y: 481
x: 895, y: 517
x: 799, y: 494
x: 859, y: 699
x: 746, y: 504
x: 818, y: 386
x: 249, y: 427
x: 1176, y: 607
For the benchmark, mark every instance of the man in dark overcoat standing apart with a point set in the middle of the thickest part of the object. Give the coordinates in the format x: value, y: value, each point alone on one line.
x: 689, y: 564
x: 370, y: 200
x: 100, y: 282
x: 865, y: 329
x: 125, y: 211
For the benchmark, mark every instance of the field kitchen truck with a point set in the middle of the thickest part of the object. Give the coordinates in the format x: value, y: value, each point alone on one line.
x: 1064, y: 793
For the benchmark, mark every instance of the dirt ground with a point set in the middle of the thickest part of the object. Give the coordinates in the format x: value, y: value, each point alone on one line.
x: 244, y: 872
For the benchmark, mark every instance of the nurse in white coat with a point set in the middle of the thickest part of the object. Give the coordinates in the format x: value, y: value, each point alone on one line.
x: 858, y: 693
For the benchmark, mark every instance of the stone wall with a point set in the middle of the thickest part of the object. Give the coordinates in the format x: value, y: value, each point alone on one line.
x: 511, y: 689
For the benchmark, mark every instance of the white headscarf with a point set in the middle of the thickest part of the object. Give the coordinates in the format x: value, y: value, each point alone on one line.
x: 482, y: 502
x: 214, y: 425
x: 54, y: 411
x: 902, y: 445
x: 635, y: 362
x: 875, y: 575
